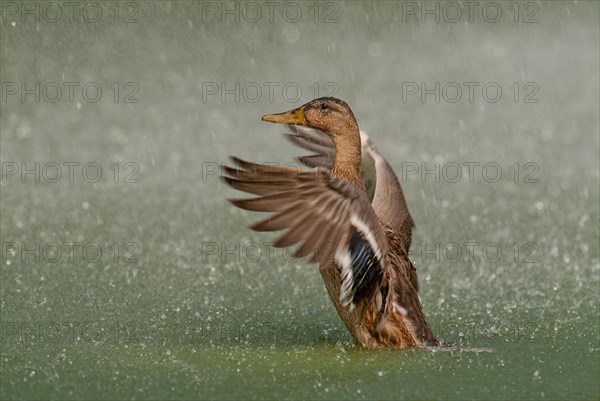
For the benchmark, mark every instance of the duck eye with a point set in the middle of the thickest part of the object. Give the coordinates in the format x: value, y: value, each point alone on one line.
x: 324, y: 106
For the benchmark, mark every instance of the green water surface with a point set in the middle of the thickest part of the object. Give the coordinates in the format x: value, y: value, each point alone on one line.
x: 146, y: 284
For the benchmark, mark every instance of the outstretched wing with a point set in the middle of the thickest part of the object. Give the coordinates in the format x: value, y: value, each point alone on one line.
x: 388, y: 200
x: 383, y: 187
x: 330, y: 219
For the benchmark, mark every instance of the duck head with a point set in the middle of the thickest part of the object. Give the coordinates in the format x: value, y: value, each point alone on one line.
x: 328, y: 114
x: 333, y: 117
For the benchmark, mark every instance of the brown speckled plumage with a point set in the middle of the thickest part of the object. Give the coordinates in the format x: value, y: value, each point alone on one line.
x: 348, y: 214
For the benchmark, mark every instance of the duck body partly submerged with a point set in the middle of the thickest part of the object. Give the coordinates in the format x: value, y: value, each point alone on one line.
x: 348, y: 214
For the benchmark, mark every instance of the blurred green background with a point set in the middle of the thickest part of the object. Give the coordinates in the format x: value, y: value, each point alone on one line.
x: 144, y: 283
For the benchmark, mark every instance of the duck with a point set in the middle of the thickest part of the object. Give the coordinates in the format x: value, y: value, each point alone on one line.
x: 345, y: 210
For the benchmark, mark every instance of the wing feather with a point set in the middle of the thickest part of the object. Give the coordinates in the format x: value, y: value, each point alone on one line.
x: 381, y: 182
x: 319, y: 212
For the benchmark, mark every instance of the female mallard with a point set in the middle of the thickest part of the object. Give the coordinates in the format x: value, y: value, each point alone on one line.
x: 360, y: 234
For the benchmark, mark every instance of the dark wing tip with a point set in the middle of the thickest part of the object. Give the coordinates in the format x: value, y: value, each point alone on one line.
x: 241, y: 203
x: 232, y: 182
